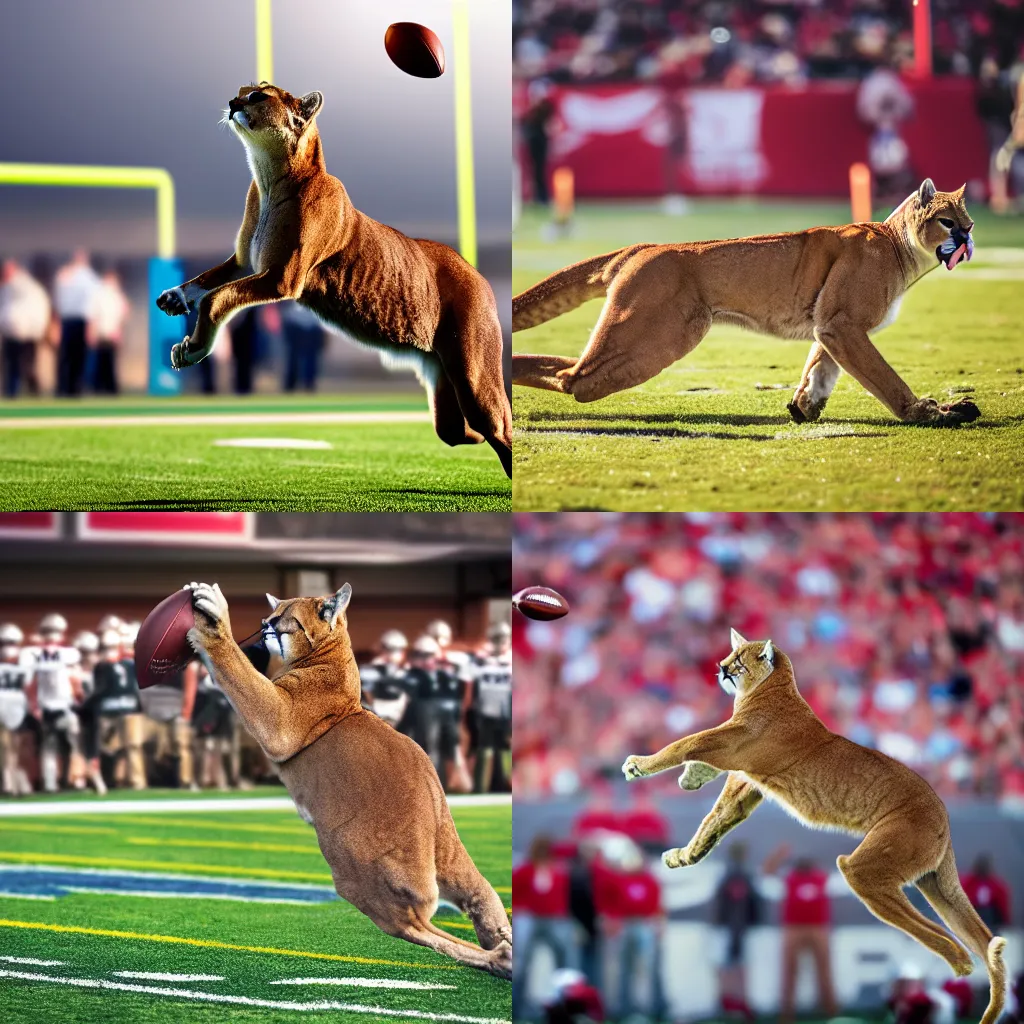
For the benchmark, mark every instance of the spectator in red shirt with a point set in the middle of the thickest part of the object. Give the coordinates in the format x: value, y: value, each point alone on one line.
x: 806, y: 921
x: 628, y: 902
x: 988, y: 893
x: 540, y: 898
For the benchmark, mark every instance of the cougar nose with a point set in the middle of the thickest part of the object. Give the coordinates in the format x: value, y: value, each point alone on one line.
x: 235, y: 104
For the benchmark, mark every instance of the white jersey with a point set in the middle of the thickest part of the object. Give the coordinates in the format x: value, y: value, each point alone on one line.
x: 52, y: 667
x: 493, y: 674
x: 13, y: 702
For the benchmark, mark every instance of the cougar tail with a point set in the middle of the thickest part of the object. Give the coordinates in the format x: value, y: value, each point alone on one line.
x: 566, y: 289
x: 943, y: 891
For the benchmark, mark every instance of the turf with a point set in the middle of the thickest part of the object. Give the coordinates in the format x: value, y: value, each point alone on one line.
x: 396, y: 466
x: 196, y: 936
x: 712, y: 431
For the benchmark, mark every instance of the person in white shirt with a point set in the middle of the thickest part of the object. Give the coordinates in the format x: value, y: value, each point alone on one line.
x: 54, y: 689
x: 24, y: 318
x: 107, y: 315
x: 74, y: 290
x: 13, y: 709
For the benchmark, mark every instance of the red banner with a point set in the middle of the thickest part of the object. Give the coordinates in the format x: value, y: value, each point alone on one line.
x: 625, y: 141
x: 38, y: 525
x: 167, y: 527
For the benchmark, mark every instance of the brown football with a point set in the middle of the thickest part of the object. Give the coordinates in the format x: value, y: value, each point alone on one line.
x: 161, y: 648
x: 541, y: 603
x: 414, y: 49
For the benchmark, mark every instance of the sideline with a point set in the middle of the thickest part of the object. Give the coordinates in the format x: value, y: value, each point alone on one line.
x: 212, y: 420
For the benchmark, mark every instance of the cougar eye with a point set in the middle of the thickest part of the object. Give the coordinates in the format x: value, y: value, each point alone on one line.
x: 257, y: 97
x: 946, y: 223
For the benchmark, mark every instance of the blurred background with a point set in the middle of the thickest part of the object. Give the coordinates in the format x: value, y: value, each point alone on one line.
x: 428, y: 622
x: 907, y: 635
x: 118, y: 83
x: 713, y: 97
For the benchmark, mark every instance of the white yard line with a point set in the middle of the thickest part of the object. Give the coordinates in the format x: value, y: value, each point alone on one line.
x: 363, y: 983
x: 157, y: 976
x: 213, y: 419
x: 101, y: 805
x: 32, y: 961
x: 217, y: 997
x: 25, y: 896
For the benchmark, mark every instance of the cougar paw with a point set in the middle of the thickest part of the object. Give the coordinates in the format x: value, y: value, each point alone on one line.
x: 631, y: 768
x: 501, y: 961
x: 179, y: 357
x: 796, y: 413
x: 173, y: 302
x: 210, y: 602
x: 695, y: 774
x: 675, y: 858
x: 930, y: 413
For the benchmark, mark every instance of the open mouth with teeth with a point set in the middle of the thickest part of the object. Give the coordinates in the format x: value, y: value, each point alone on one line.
x: 955, y: 248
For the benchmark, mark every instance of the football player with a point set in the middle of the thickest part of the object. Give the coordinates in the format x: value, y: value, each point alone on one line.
x: 14, y: 677
x: 116, y: 702
x: 53, y: 690
x: 383, y: 681
x: 492, y: 704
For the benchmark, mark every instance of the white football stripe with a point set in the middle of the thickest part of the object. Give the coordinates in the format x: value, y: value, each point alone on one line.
x: 270, y: 442
x: 25, y: 896
x: 362, y: 983
x: 217, y: 997
x: 157, y: 976
x: 32, y: 961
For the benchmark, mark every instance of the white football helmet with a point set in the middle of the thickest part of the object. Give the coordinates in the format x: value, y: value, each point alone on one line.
x: 86, y: 642
x: 53, y: 625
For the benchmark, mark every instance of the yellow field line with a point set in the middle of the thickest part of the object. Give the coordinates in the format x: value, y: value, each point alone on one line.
x: 214, y: 944
x: 222, y: 844
x: 10, y: 826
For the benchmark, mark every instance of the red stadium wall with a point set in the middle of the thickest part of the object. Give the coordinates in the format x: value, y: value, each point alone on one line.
x: 763, y: 141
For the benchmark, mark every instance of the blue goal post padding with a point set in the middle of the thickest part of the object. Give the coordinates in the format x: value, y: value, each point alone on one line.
x: 164, y: 330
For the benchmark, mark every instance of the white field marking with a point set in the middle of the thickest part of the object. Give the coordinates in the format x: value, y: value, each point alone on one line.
x: 147, y: 894
x: 26, y: 896
x: 45, y: 809
x: 362, y: 983
x: 217, y: 997
x: 215, y: 419
x: 270, y: 442
x: 32, y: 961
x: 157, y: 976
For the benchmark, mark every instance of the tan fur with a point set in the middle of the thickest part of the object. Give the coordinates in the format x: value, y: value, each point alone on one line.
x: 829, y: 285
x: 380, y: 813
x: 301, y: 238
x: 774, y: 746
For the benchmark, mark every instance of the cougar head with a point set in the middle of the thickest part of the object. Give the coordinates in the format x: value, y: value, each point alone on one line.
x: 298, y: 626
x: 747, y: 666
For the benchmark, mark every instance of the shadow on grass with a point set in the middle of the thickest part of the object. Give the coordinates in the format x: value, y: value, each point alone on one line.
x: 654, y: 433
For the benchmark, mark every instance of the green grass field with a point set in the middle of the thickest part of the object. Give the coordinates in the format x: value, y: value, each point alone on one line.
x: 82, y: 950
x: 101, y: 455
x: 712, y: 431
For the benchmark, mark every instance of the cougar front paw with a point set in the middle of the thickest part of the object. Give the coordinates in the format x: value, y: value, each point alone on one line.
x: 675, y: 858
x: 695, y: 774
x: 210, y: 610
x: 631, y: 768
x: 928, y: 412
x: 803, y: 410
x: 173, y: 302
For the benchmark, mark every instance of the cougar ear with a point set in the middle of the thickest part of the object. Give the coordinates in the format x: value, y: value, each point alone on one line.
x: 310, y: 104
x: 737, y: 639
x: 768, y: 653
x: 926, y: 193
x: 272, y: 601
x: 335, y: 605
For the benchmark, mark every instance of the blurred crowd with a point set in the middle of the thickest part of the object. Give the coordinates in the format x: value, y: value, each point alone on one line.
x: 735, y: 43
x: 906, y: 632
x: 77, y: 316
x: 593, y: 898
x: 72, y: 715
x: 81, y: 317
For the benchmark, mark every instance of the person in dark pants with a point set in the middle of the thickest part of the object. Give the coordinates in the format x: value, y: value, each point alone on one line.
x: 74, y: 290
x: 303, y: 343
x: 439, y: 697
x: 737, y: 908
x: 24, y: 318
x: 535, y: 125
x: 243, y: 349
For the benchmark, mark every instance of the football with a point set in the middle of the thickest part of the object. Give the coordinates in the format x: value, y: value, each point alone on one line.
x: 541, y: 603
x: 414, y: 49
x: 161, y: 648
